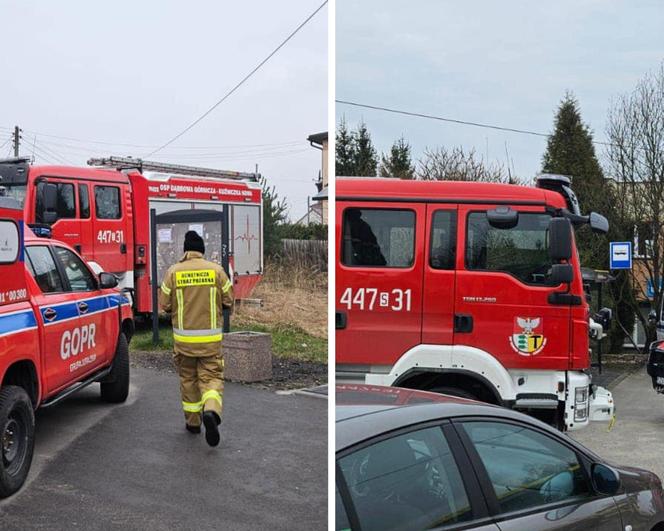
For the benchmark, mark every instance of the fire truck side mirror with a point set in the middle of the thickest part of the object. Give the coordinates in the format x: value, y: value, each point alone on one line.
x: 49, y: 202
x: 502, y: 217
x: 560, y: 239
x: 598, y: 223
x: 562, y: 273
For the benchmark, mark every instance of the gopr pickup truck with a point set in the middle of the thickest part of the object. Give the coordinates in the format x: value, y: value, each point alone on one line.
x: 62, y: 327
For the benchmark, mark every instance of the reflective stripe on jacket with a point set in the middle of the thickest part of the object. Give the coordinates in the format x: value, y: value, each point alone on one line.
x: 194, y: 291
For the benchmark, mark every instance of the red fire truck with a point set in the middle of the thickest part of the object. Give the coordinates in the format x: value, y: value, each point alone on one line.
x: 465, y: 288
x: 123, y: 213
x: 62, y: 327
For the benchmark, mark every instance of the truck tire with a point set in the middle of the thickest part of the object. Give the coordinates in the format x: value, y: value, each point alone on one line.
x: 454, y: 391
x: 115, y: 387
x: 17, y: 432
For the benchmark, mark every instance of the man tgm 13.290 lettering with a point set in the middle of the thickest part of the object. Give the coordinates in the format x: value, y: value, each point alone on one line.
x: 470, y: 289
x: 62, y: 327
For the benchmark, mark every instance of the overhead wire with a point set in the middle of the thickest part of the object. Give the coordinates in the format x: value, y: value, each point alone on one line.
x: 456, y: 121
x: 240, y: 83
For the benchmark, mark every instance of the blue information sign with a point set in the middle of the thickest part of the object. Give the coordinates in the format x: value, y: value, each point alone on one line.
x: 621, y: 255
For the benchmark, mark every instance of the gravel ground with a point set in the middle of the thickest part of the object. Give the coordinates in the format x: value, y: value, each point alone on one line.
x: 286, y: 373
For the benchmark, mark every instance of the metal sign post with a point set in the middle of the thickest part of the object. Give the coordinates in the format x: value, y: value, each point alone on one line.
x: 153, y: 276
x: 225, y: 261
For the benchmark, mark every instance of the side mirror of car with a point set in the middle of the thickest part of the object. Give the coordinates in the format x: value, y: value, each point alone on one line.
x: 107, y: 281
x: 562, y: 274
x: 560, y: 239
x: 605, y: 479
x: 502, y: 217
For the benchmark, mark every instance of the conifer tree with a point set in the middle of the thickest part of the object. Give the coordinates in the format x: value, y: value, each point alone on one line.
x: 398, y: 162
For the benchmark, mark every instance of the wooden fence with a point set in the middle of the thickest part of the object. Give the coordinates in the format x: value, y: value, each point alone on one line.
x: 311, y: 254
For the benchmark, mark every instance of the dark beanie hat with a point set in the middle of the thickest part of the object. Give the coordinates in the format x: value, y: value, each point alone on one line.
x: 193, y: 242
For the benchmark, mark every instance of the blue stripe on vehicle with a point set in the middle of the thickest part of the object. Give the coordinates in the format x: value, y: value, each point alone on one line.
x: 117, y: 300
x: 63, y: 311
x: 17, y: 322
x: 96, y: 305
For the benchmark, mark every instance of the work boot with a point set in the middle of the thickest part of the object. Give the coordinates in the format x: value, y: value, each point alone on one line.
x: 211, y: 422
x: 193, y: 429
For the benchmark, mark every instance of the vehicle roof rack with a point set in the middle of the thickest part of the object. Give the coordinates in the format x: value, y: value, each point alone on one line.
x: 127, y: 163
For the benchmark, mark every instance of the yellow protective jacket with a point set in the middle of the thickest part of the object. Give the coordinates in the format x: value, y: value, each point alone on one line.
x: 194, y: 291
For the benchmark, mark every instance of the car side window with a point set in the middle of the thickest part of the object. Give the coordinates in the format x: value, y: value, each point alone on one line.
x: 409, y: 481
x: 43, y: 269
x: 341, y: 519
x: 525, y: 467
x: 84, y: 201
x: 107, y: 202
x: 79, y: 276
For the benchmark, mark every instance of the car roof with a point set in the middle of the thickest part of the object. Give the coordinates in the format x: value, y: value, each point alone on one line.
x: 374, y: 188
x: 366, y: 411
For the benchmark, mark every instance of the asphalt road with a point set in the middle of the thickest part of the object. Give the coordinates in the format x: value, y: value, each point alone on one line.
x: 134, y: 466
x: 637, y: 438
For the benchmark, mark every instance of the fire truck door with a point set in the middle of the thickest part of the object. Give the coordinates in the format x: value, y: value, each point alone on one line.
x: 379, y: 281
x: 113, y: 238
x: 502, y: 290
x: 439, y: 275
x: 67, y: 227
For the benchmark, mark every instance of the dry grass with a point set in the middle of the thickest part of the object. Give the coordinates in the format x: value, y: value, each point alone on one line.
x: 292, y: 297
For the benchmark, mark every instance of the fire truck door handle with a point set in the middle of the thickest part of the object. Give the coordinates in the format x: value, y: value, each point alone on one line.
x: 83, y: 307
x: 123, y: 248
x: 463, y: 324
x: 50, y: 314
x: 77, y: 248
x: 341, y: 320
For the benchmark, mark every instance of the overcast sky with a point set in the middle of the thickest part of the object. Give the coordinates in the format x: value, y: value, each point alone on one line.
x: 504, y: 62
x: 131, y: 72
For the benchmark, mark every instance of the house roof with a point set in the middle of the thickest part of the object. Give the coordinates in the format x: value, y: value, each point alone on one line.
x: 318, y: 138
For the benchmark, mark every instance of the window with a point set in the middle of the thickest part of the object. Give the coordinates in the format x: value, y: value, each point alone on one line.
x: 84, y: 200
x: 43, y: 269
x: 443, y: 240
x: 342, y: 523
x: 66, y: 205
x: 107, y: 202
x: 526, y: 468
x: 409, y: 481
x: 79, y: 276
x: 10, y: 241
x: 522, y: 251
x: 378, y: 238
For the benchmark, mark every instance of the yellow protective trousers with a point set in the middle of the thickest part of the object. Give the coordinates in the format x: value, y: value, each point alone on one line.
x: 201, y: 385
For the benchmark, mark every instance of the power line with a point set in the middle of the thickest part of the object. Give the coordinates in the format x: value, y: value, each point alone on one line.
x: 454, y: 121
x: 242, y: 81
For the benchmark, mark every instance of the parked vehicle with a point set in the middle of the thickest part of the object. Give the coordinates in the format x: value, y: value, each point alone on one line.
x: 104, y: 213
x: 466, y: 288
x: 655, y: 365
x: 62, y: 327
x: 409, y: 460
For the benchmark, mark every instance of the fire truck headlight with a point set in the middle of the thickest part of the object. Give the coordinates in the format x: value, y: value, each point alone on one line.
x: 580, y: 404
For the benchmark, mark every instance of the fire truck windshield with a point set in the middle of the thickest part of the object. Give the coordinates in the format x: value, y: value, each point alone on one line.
x: 15, y: 191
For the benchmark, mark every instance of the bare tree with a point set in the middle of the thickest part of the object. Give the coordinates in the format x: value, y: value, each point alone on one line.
x: 635, y: 131
x: 442, y: 164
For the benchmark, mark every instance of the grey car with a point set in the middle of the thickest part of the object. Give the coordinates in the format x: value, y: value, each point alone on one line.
x: 416, y: 460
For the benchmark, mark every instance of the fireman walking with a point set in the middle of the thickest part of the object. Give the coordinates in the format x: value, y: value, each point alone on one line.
x: 194, y: 291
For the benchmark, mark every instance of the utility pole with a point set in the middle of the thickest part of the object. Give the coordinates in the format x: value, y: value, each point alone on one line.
x: 308, y: 212
x: 17, y: 139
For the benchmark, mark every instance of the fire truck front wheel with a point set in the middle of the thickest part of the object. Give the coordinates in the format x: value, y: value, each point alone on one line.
x: 115, y: 387
x: 17, y: 429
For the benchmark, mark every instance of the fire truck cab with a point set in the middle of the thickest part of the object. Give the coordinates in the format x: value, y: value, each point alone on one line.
x: 465, y: 288
x: 62, y: 327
